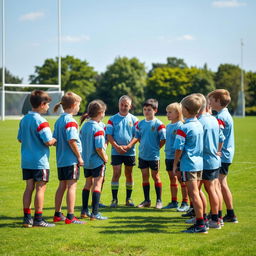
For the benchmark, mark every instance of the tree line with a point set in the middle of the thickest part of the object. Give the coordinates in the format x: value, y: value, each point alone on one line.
x: 167, y: 82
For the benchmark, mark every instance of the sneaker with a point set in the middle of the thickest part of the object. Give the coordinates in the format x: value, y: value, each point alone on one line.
x: 98, y: 217
x: 57, y: 219
x: 196, y: 229
x: 232, y: 219
x: 102, y: 205
x: 206, y: 223
x: 191, y: 221
x: 184, y: 207
x: 74, y: 221
x: 42, y: 224
x: 85, y: 214
x: 159, y: 204
x: 144, y: 204
x: 27, y: 222
x: 214, y: 224
x: 129, y: 202
x: 190, y: 213
x: 172, y: 205
x: 221, y: 222
x: 114, y: 203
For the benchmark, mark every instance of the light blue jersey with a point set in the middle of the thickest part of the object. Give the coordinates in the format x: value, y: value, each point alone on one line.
x: 226, y: 124
x: 92, y: 136
x: 212, y: 137
x: 150, y: 133
x: 34, y: 132
x: 122, y: 129
x: 171, y: 130
x: 189, y: 139
x: 65, y: 129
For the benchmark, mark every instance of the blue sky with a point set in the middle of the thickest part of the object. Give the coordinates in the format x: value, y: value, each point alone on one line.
x: 199, y: 31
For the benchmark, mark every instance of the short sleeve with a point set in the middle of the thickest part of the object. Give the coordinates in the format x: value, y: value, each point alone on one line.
x: 110, y: 127
x: 99, y: 139
x: 71, y: 129
x: 180, y: 139
x: 162, y: 131
x: 44, y: 131
x: 137, y: 131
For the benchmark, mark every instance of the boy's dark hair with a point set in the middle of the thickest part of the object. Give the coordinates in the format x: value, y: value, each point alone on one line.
x: 37, y: 97
x: 222, y: 95
x: 151, y: 103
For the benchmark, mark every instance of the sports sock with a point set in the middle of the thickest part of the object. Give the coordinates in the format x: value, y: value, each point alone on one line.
x: 95, y: 201
x: 27, y: 212
x: 57, y: 214
x: 85, y: 198
x: 220, y: 214
x: 38, y: 216
x: 129, y: 187
x: 230, y: 212
x: 215, y: 217
x: 174, y: 200
x: 114, y: 187
x: 70, y: 216
x: 200, y: 221
x: 158, y: 188
x: 146, y: 190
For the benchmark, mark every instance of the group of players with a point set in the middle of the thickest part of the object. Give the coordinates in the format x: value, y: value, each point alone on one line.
x: 198, y: 146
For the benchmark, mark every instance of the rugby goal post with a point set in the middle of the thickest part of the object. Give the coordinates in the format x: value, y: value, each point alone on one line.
x: 38, y: 86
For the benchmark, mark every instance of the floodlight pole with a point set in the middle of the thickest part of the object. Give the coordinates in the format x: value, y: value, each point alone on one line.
x: 3, y: 62
x: 242, y: 83
x: 59, y: 44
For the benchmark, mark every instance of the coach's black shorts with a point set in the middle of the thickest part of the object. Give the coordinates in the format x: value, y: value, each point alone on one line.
x: 126, y: 160
x: 36, y: 174
x: 153, y: 165
x: 224, y: 168
x: 210, y: 174
x: 96, y: 172
x: 169, y: 165
x: 71, y: 172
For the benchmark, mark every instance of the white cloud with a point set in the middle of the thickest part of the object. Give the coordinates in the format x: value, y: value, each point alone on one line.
x: 32, y: 16
x: 75, y: 39
x: 186, y: 38
x: 228, y: 4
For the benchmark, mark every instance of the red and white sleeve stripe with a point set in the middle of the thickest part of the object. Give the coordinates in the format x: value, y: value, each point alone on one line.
x: 99, y: 133
x: 221, y: 123
x: 70, y: 125
x: 43, y: 127
x: 110, y: 123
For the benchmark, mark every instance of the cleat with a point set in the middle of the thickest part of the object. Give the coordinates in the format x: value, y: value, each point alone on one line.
x: 42, y: 224
x: 114, y: 203
x: 206, y: 223
x: 144, y: 204
x: 129, y: 203
x: 232, y: 219
x: 85, y: 214
x: 159, y: 204
x: 58, y: 219
x: 102, y: 205
x: 172, y: 205
x: 190, y: 213
x: 98, y: 216
x: 184, y: 207
x: 27, y: 222
x: 221, y: 222
x: 214, y: 224
x: 74, y: 221
x: 196, y: 229
x: 191, y: 221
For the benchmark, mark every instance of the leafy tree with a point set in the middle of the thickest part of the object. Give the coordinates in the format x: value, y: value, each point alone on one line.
x: 250, y: 93
x: 228, y: 77
x: 124, y: 76
x: 76, y: 76
x: 10, y: 79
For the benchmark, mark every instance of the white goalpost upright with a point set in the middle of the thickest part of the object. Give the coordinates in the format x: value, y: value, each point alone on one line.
x: 4, y: 84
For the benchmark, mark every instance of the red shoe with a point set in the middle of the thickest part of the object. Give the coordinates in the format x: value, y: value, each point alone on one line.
x: 74, y: 221
x: 58, y: 219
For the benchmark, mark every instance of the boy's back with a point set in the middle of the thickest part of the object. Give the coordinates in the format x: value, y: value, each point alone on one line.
x: 34, y: 131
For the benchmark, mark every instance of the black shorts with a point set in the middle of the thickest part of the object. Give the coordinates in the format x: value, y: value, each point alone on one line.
x: 224, y: 168
x: 126, y: 160
x: 71, y: 172
x: 36, y: 174
x: 153, y: 165
x: 169, y: 165
x: 96, y: 172
x: 210, y: 174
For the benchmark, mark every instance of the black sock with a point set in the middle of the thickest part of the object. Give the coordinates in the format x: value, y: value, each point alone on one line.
x: 57, y: 214
x: 129, y: 187
x: 158, y: 188
x: 70, y: 216
x: 215, y: 217
x: 230, y: 212
x: 146, y: 190
x: 95, y: 202
x: 114, y: 187
x: 38, y: 216
x: 205, y: 216
x: 85, y: 198
x: 220, y: 214
x: 200, y: 222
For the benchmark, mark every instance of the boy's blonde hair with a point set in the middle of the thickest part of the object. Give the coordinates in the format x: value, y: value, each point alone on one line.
x: 203, y: 100
x: 177, y: 107
x: 221, y: 94
x: 192, y: 103
x: 67, y: 101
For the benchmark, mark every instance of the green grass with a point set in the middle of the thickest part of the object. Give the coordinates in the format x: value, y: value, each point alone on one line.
x: 128, y: 231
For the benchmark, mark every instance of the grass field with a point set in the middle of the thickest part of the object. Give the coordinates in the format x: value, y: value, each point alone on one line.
x: 129, y: 231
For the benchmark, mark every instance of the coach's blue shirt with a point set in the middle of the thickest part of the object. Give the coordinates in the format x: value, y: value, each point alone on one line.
x: 212, y: 137
x: 226, y: 124
x: 171, y: 130
x: 65, y: 129
x: 150, y: 133
x: 122, y: 129
x: 92, y: 136
x: 34, y: 132
x: 189, y: 139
